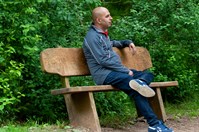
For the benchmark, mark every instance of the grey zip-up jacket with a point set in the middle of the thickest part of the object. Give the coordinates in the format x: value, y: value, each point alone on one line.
x: 100, y: 57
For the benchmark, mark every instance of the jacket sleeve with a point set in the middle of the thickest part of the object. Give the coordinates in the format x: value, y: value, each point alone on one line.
x: 120, y: 43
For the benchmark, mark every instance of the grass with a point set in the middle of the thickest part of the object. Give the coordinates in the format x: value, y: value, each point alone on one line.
x: 32, y: 126
x: 189, y: 108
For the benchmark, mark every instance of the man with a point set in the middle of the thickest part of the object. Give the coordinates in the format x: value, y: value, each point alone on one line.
x: 106, y: 67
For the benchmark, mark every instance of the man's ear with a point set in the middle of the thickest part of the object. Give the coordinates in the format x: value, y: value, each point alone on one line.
x: 98, y: 20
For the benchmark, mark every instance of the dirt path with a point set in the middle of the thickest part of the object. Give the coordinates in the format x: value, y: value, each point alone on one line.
x: 183, y: 124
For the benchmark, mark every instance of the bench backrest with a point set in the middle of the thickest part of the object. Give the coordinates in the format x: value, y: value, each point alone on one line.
x: 71, y: 61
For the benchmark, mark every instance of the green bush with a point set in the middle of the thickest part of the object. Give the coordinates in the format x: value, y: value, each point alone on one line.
x: 9, y: 79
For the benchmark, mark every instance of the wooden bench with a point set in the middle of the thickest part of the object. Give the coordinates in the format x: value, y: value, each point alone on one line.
x: 80, y: 103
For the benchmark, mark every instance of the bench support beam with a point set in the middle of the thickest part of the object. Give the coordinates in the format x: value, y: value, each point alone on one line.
x: 82, y: 111
x: 157, y: 105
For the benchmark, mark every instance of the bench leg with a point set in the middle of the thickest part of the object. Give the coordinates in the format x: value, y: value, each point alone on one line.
x: 157, y: 105
x: 82, y: 111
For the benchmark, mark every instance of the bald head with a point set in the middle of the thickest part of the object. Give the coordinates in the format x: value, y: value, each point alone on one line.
x: 98, y: 12
x: 101, y: 18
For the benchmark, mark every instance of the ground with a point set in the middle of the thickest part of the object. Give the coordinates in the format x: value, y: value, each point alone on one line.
x: 183, y: 124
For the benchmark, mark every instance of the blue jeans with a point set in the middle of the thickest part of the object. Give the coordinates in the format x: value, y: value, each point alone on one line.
x: 121, y: 81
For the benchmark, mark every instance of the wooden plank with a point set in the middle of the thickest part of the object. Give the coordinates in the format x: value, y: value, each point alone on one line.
x: 71, y: 61
x: 64, y: 61
x: 164, y: 84
x: 139, y: 61
x: 100, y: 88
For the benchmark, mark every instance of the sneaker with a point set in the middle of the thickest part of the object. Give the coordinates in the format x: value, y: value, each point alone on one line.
x: 159, y: 128
x: 142, y: 88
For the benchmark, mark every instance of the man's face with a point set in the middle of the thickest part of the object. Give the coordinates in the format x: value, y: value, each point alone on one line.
x: 105, y: 19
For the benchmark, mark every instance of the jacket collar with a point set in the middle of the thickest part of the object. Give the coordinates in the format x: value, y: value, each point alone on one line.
x: 99, y: 30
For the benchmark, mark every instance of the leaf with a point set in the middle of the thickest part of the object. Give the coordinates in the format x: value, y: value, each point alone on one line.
x: 1, y: 107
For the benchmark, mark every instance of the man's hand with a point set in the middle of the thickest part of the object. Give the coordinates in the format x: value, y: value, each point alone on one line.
x: 132, y: 48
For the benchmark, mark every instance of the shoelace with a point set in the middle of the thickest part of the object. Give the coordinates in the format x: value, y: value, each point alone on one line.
x: 141, y: 82
x: 159, y: 129
x: 164, y: 127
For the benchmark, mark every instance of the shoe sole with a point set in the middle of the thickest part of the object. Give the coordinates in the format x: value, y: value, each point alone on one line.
x: 151, y: 129
x: 143, y: 90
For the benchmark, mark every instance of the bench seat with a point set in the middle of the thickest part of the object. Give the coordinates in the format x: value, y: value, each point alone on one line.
x: 103, y: 88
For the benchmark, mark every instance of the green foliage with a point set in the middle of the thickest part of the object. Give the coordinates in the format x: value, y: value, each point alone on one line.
x: 113, y: 103
x: 10, y: 76
x: 114, y: 108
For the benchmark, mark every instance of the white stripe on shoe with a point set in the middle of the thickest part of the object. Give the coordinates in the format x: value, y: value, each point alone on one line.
x: 144, y: 90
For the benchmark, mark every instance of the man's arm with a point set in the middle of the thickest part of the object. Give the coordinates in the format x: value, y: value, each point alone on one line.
x: 121, y: 43
x: 124, y: 43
